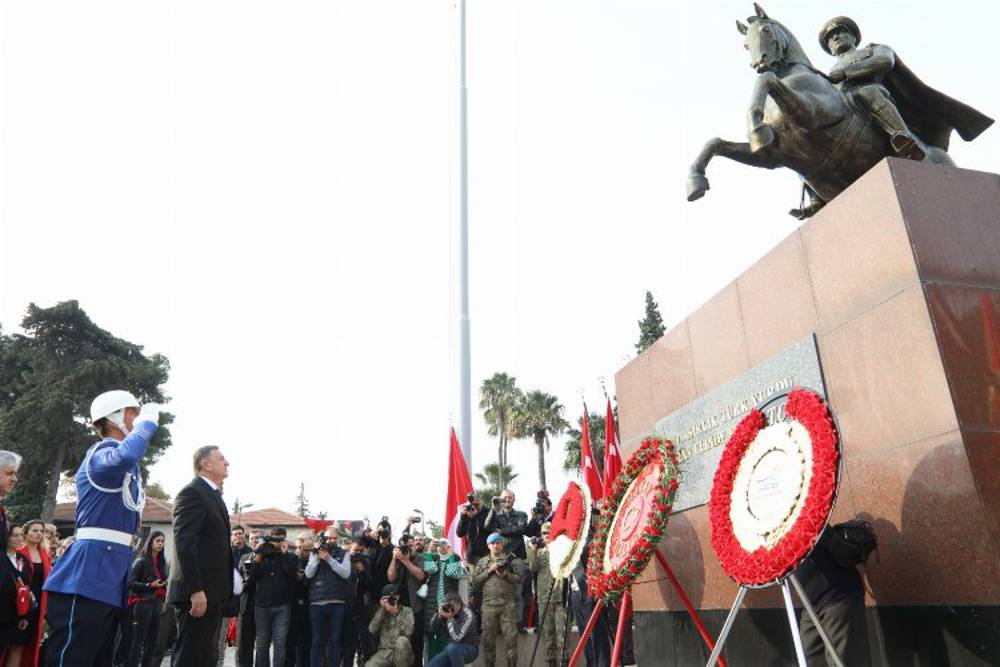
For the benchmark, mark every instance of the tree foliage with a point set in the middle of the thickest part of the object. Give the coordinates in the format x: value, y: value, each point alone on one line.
x: 498, y: 399
x: 301, y: 502
x: 48, y: 377
x: 595, y: 422
x: 651, y: 327
x: 491, y: 478
x: 538, y: 416
x: 156, y: 490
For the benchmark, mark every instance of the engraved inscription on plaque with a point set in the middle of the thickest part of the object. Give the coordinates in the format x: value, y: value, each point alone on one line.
x: 701, y: 429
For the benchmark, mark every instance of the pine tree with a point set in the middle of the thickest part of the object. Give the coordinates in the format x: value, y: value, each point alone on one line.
x: 301, y: 502
x: 650, y: 327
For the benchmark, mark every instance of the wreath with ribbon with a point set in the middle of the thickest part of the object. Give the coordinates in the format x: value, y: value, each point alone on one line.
x: 568, y: 530
x: 608, y: 583
x: 755, y: 547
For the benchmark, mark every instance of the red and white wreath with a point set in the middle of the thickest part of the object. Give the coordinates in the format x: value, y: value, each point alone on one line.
x: 568, y: 532
x: 633, y: 519
x: 774, y: 490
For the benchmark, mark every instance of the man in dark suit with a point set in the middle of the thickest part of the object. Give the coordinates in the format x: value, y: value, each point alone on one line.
x: 203, y: 576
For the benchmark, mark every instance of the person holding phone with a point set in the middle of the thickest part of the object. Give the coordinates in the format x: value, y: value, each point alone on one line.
x: 147, y: 585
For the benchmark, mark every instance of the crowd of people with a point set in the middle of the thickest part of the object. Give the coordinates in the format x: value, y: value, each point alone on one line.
x: 333, y: 599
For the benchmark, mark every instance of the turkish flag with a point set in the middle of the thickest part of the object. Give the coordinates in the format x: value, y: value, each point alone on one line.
x: 459, y: 487
x: 612, y: 457
x: 587, y: 465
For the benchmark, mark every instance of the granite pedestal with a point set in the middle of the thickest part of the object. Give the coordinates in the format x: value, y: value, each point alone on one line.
x: 899, y: 280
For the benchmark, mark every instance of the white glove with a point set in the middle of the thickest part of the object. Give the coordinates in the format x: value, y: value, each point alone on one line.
x: 149, y: 413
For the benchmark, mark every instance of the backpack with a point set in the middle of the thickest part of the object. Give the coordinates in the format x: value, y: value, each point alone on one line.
x: 850, y: 543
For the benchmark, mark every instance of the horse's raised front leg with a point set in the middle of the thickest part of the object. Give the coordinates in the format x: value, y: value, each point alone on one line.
x: 791, y: 104
x: 740, y: 152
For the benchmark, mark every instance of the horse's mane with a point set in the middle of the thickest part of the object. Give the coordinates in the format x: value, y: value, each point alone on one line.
x: 794, y: 52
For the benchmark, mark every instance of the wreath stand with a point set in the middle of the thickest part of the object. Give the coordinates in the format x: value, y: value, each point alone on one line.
x: 813, y: 415
x: 790, y: 609
x: 626, y: 611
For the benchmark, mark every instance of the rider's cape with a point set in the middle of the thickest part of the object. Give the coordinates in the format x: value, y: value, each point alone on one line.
x: 929, y: 113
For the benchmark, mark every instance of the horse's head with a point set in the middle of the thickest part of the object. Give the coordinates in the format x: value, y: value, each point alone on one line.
x: 769, y: 43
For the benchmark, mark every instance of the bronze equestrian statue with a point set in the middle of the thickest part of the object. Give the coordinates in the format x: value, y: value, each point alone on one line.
x: 831, y: 129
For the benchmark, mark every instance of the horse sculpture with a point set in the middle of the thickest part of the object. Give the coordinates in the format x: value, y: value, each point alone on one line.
x: 799, y: 119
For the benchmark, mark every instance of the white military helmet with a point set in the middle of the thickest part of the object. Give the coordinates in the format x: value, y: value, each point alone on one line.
x: 111, y: 402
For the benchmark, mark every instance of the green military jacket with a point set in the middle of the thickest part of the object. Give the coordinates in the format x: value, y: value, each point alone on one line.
x: 494, y: 588
x: 389, y: 627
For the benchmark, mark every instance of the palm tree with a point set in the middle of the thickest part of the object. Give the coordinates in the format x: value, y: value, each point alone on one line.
x: 491, y: 478
x: 539, y: 416
x: 595, y: 423
x: 498, y: 399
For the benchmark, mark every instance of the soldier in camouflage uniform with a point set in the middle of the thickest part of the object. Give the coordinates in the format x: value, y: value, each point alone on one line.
x: 393, y: 625
x: 497, y: 581
x: 555, y: 615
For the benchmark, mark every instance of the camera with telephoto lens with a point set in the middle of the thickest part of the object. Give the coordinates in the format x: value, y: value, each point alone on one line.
x: 447, y: 608
x: 269, y: 546
x: 469, y: 505
x: 538, y: 541
x: 328, y: 544
x: 496, y: 500
x: 392, y: 600
x: 505, y: 563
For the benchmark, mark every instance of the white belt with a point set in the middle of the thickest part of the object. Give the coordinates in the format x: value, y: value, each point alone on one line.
x: 104, y: 535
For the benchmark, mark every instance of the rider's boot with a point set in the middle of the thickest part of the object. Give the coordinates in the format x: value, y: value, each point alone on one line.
x: 903, y: 143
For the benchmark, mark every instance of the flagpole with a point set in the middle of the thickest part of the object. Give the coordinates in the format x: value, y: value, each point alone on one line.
x: 464, y: 363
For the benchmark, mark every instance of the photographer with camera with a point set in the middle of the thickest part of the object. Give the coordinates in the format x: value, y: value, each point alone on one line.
x: 444, y: 570
x: 331, y: 590
x: 472, y: 526
x: 509, y: 522
x: 299, y: 630
x: 458, y: 622
x: 498, y: 578
x: 393, y: 626
x: 380, y: 549
x: 272, y: 574
x: 549, y: 594
x: 407, y: 571
x: 512, y: 524
x: 541, y: 513
x: 246, y: 625
x: 361, y: 566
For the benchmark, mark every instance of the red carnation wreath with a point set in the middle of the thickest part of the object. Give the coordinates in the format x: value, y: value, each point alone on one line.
x: 568, y: 530
x: 635, y: 513
x: 765, y: 543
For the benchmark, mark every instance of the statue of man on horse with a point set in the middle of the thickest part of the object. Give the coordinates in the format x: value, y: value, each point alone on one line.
x: 831, y: 129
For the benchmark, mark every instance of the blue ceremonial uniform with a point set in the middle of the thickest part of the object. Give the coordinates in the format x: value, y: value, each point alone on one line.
x: 94, y: 568
x: 88, y: 585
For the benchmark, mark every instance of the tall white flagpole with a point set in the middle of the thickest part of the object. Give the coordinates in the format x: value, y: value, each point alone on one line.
x: 464, y: 363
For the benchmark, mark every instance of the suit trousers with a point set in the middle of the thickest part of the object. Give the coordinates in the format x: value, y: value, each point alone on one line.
x: 845, y: 625
x: 197, y: 638
x: 81, y: 631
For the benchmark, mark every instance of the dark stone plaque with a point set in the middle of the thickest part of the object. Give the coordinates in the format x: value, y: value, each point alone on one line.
x: 701, y: 428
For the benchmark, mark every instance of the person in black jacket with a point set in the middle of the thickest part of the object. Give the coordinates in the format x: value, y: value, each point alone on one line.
x: 361, y: 567
x: 463, y: 639
x: 471, y: 526
x: 837, y: 595
x: 204, y: 577
x: 380, y: 549
x: 300, y: 628
x: 9, y: 464
x: 272, y: 574
x: 147, y: 585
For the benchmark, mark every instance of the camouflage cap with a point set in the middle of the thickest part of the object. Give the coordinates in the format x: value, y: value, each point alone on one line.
x: 835, y: 23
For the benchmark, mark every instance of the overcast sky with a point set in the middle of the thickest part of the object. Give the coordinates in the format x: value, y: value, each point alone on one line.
x: 266, y: 193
